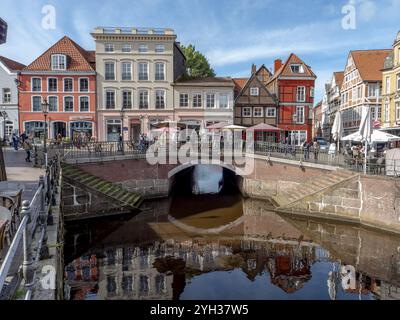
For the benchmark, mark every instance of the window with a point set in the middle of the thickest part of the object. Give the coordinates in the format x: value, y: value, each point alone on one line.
x: 68, y: 104
x: 36, y: 84
x: 197, y: 101
x: 52, y: 85
x: 160, y: 48
x: 300, y: 114
x: 397, y: 111
x: 58, y: 62
x: 258, y: 112
x: 126, y: 71
x: 143, y: 48
x: 6, y: 95
x: 160, y: 99
x: 223, y: 101
x: 386, y: 112
x: 271, y: 112
x: 184, y: 100
x: 109, y: 47
x: 68, y: 85
x: 297, y: 68
x: 127, y: 99
x: 246, y: 112
x: 160, y: 71
x: 398, y: 82
x: 110, y: 99
x: 84, y: 104
x: 254, y: 91
x: 143, y: 71
x: 372, y: 90
x: 84, y: 85
x: 210, y: 100
x: 126, y: 48
x: 387, y: 84
x: 312, y: 92
x: 110, y: 70
x: 53, y: 104
x: 36, y: 104
x: 301, y: 94
x: 143, y: 99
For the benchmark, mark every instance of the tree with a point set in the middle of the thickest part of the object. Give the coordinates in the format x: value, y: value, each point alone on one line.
x: 196, y: 63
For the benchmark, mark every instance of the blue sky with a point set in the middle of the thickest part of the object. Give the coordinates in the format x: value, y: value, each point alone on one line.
x: 232, y: 33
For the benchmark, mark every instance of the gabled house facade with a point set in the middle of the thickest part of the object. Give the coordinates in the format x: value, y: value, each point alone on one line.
x: 65, y: 77
x: 293, y: 84
x: 254, y: 104
x: 391, y: 90
x: 9, y: 70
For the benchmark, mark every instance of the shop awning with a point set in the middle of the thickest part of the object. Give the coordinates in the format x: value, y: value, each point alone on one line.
x: 263, y: 127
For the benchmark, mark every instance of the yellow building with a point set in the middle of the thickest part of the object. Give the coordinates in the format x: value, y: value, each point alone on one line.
x: 391, y: 90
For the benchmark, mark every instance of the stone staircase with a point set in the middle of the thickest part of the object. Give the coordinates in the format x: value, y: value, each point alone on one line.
x: 313, y: 187
x: 101, y: 187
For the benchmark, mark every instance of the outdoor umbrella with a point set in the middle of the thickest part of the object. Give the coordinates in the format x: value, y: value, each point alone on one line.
x: 377, y: 136
x: 337, y: 128
x: 234, y: 127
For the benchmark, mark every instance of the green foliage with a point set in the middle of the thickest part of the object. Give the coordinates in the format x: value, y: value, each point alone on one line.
x: 197, y: 63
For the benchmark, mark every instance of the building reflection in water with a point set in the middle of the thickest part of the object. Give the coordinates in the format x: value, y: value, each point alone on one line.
x: 287, y: 250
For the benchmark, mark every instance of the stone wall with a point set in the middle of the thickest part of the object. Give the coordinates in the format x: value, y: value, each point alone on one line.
x: 149, y: 189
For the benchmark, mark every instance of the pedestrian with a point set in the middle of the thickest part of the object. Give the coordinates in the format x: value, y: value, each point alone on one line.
x: 316, y: 149
x: 15, y: 141
x: 59, y: 138
x: 120, y: 142
x: 306, y: 149
x: 27, y: 147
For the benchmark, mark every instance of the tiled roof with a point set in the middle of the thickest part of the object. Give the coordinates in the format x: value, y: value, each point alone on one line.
x: 205, y: 80
x: 11, y: 64
x: 370, y: 63
x: 339, y: 76
x: 79, y: 58
x: 286, y: 71
x: 240, y: 83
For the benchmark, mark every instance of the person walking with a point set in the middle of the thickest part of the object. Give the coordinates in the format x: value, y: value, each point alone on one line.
x: 306, y: 149
x: 120, y: 142
x: 27, y: 147
x: 15, y: 141
x: 316, y: 150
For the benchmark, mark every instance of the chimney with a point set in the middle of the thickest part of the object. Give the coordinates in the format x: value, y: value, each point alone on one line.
x: 277, y: 65
x: 253, y: 68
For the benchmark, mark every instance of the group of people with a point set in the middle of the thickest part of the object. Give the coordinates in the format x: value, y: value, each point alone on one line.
x: 307, y: 146
x: 25, y: 141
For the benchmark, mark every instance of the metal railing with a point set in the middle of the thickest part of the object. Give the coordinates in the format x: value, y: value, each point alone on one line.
x: 35, y: 214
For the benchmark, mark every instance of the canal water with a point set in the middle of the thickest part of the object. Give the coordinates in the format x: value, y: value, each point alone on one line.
x: 221, y: 246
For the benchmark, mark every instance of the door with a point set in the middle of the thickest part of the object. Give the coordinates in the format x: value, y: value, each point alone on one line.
x: 135, y: 132
x: 59, y: 128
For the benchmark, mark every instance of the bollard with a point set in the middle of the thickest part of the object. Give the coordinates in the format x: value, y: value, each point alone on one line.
x: 27, y: 265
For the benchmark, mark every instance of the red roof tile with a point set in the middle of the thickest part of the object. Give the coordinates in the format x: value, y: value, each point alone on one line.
x: 339, y: 76
x: 286, y: 71
x: 240, y: 83
x: 370, y: 63
x: 79, y: 58
x: 11, y: 64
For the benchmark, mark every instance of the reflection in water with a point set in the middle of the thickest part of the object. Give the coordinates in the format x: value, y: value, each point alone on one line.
x: 262, y: 256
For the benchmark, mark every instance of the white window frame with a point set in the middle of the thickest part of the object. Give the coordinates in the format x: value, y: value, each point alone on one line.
x: 79, y: 83
x: 105, y: 98
x: 372, y: 88
x: 41, y: 84
x: 398, y: 81
x: 163, y: 70
x: 303, y: 114
x: 295, y: 65
x: 397, y: 108
x: 48, y: 81
x: 254, y: 91
x: 80, y: 109
x: 387, y: 84
x: 312, y: 92
x: 40, y: 106
x: 267, y: 112
x: 187, y: 100
x: 227, y: 101
x: 143, y: 48
x: 109, y: 47
x: 194, y: 98
x: 122, y: 98
x: 57, y: 104
x: 160, y: 48
x: 139, y: 98
x: 68, y: 78
x: 3, y: 93
x: 57, y: 65
x: 105, y: 70
x: 147, y: 70
x: 246, y: 114
x: 164, y: 97
x: 207, y: 100
x: 126, y: 48
x: 387, y: 111
x: 259, y: 113
x: 123, y: 63
x: 301, y: 90
x: 73, y: 103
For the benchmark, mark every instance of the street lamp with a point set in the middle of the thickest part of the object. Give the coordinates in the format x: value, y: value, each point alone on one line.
x: 122, y: 128
x: 45, y: 111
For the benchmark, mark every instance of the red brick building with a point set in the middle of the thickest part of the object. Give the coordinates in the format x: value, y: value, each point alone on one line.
x: 65, y: 77
x: 293, y: 84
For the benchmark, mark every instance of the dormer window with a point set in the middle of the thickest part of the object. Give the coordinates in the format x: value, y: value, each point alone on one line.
x: 297, y: 68
x: 58, y: 62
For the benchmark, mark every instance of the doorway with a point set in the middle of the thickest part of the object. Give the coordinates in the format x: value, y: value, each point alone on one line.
x: 135, y: 132
x: 59, y: 128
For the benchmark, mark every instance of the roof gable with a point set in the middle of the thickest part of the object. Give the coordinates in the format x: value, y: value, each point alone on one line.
x: 370, y: 63
x: 286, y: 71
x: 79, y: 58
x: 11, y: 65
x: 254, y: 81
